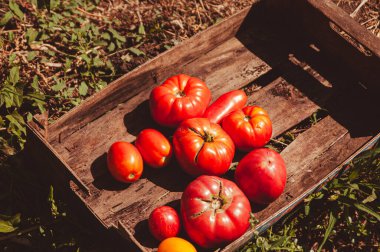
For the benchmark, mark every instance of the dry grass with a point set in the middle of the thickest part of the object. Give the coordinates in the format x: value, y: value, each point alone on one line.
x: 365, y: 12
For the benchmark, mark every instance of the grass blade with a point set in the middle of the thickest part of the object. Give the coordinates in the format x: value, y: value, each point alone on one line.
x: 330, y: 226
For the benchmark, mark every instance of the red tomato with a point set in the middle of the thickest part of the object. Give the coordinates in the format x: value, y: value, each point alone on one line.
x: 261, y: 175
x: 214, y: 211
x: 180, y: 97
x: 154, y: 147
x: 176, y: 244
x: 124, y: 162
x: 164, y: 223
x: 249, y: 127
x: 202, y: 147
x: 225, y: 104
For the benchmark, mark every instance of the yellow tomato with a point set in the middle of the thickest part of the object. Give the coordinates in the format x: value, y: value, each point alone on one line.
x: 175, y: 244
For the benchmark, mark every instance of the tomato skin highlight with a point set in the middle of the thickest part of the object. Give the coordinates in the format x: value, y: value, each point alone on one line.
x: 202, y: 147
x: 154, y: 148
x: 178, y: 98
x: 249, y: 127
x: 124, y: 162
x: 176, y: 244
x: 225, y: 104
x: 261, y: 175
x: 164, y: 223
x: 214, y: 211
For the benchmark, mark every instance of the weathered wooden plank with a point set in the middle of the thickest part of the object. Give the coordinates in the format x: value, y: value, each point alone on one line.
x: 309, y: 159
x: 146, y: 75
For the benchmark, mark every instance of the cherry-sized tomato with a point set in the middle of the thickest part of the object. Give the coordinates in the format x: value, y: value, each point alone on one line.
x: 225, y: 104
x: 202, y: 147
x: 164, y: 223
x: 180, y: 97
x: 249, y: 127
x: 124, y: 162
x: 154, y: 148
x: 261, y: 175
x: 176, y: 244
x: 214, y: 211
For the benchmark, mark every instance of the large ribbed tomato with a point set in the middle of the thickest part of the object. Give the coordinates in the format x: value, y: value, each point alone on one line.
x: 261, y: 175
x: 249, y: 127
x: 202, y: 147
x: 214, y: 211
x: 180, y: 97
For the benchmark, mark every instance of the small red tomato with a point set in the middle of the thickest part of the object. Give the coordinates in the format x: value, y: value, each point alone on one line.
x: 261, y: 175
x: 164, y: 223
x: 154, y: 148
x: 124, y: 162
x: 249, y: 127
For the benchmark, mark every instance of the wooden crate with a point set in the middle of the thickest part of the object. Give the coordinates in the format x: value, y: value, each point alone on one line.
x: 293, y: 56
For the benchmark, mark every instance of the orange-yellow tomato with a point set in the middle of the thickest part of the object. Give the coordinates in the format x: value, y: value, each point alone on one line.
x: 176, y: 244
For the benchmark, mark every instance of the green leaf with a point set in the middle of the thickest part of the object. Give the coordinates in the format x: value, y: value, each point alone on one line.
x: 35, y: 84
x: 31, y: 35
x: 136, y: 51
x: 7, y: 16
x: 59, y: 86
x: 368, y: 210
x: 14, y: 74
x: 16, y: 122
x: 116, y: 35
x: 86, y: 58
x: 8, y: 223
x: 83, y: 88
x: 53, y: 4
x: 127, y: 57
x: 370, y: 198
x: 307, y: 209
x: 53, y: 206
x: 11, y: 35
x: 111, y: 47
x: 141, y: 29
x: 330, y: 226
x: 106, y: 36
x: 16, y: 9
x: 29, y: 117
x: 360, y: 206
x: 31, y: 55
x: 98, y: 62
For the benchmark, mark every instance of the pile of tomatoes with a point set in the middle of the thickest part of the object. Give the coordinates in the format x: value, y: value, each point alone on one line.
x: 214, y: 210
